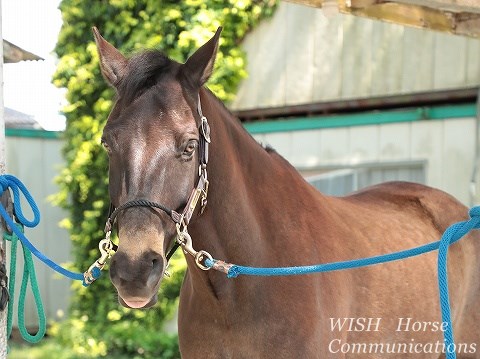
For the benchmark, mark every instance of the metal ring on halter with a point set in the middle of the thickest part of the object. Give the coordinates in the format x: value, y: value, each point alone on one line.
x: 200, y: 256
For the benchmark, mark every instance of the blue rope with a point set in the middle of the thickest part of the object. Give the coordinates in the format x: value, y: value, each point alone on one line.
x: 29, y: 275
x: 453, y: 234
x: 17, y: 187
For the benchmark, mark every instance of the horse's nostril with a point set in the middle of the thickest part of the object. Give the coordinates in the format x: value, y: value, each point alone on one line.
x: 156, y: 265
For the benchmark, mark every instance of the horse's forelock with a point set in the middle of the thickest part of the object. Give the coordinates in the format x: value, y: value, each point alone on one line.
x: 143, y: 72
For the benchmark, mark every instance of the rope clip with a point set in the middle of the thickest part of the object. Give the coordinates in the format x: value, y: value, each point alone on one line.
x: 106, y: 251
x: 185, y: 241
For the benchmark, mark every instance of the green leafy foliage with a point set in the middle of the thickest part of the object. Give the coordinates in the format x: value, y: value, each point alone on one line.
x: 97, y: 325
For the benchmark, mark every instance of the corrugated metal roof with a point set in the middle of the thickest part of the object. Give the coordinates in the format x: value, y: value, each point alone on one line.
x: 13, y: 53
x: 19, y: 120
x: 461, y: 17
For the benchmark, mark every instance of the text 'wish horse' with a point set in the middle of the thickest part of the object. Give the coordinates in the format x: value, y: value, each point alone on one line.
x: 261, y: 212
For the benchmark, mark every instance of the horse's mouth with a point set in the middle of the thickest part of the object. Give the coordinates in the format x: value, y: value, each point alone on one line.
x: 137, y: 303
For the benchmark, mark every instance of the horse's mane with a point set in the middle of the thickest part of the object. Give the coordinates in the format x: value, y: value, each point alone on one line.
x: 143, y: 72
x: 267, y: 147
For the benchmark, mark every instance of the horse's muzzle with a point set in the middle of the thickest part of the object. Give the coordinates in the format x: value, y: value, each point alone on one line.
x: 137, y: 280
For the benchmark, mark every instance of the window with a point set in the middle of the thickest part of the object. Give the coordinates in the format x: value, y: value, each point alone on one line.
x: 338, y: 182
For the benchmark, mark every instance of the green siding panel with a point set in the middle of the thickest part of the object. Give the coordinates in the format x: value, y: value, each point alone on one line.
x: 362, y: 119
x: 30, y: 133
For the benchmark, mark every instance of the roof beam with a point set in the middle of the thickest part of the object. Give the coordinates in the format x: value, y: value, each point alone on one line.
x: 460, y: 17
x: 13, y: 53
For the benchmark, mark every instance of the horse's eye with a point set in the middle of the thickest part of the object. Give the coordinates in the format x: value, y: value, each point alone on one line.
x: 105, y: 145
x: 190, y: 148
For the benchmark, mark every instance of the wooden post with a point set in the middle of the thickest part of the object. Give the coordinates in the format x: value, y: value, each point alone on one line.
x: 3, y: 314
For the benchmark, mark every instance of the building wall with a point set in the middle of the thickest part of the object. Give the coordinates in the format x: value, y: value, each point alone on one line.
x: 36, y: 162
x: 300, y: 56
x: 447, y: 147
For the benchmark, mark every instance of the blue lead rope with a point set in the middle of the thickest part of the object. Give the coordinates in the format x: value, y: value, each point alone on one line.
x: 17, y: 187
x: 453, y: 234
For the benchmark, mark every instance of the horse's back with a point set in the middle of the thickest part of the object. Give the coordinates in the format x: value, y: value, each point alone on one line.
x: 429, y: 203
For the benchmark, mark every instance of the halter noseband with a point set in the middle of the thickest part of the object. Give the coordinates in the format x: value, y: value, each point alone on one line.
x: 107, y: 247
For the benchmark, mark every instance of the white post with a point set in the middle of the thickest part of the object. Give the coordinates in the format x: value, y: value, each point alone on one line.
x: 3, y: 314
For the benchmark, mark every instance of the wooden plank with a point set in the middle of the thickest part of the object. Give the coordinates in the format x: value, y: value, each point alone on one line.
x: 357, y: 57
x: 328, y: 57
x: 266, y: 66
x: 364, y: 144
x: 473, y: 62
x: 426, y: 144
x: 281, y: 142
x: 387, y: 48
x: 300, y: 27
x: 449, y: 61
x: 394, y: 142
x: 417, y: 60
x: 459, y: 17
x: 334, y: 146
x: 306, y: 146
x: 247, y: 94
x: 57, y: 240
x: 458, y: 155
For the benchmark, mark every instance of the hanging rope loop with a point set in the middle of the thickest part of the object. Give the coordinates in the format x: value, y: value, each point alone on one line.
x: 29, y: 275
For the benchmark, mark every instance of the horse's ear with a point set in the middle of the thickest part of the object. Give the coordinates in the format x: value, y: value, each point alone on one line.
x: 199, y: 66
x: 112, y: 63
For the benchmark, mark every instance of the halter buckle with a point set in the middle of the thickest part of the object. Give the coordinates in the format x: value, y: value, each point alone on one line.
x: 205, y: 127
x: 203, y: 201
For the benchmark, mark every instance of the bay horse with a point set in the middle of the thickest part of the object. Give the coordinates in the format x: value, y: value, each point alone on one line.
x: 261, y: 212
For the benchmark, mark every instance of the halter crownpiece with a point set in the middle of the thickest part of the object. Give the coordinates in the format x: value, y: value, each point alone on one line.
x: 181, y: 219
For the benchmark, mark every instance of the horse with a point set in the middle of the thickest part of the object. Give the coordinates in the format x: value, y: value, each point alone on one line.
x: 166, y: 129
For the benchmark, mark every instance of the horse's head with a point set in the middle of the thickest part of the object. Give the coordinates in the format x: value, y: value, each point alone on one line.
x: 152, y: 138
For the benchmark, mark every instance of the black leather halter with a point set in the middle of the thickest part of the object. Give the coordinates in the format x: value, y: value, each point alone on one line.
x: 200, y: 192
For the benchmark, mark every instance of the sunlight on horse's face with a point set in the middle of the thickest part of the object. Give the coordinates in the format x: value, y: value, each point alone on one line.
x: 151, y: 137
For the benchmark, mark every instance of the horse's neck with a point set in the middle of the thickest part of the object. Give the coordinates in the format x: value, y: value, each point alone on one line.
x: 252, y: 191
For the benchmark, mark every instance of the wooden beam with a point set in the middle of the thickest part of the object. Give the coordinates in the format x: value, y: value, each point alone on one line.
x: 466, y: 24
x: 312, y: 3
x: 459, y: 6
x: 13, y: 53
x: 465, y: 20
